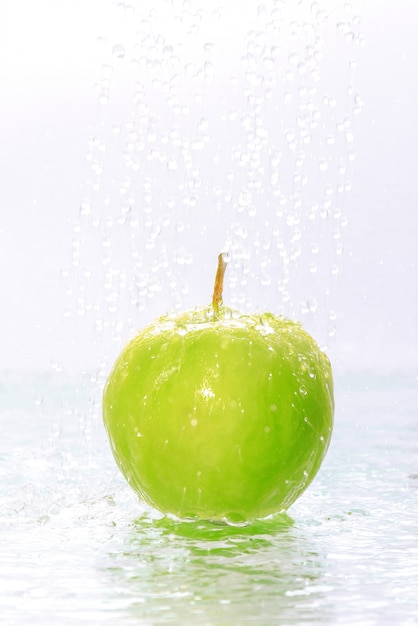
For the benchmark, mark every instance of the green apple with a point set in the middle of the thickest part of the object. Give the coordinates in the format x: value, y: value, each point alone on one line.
x: 219, y: 415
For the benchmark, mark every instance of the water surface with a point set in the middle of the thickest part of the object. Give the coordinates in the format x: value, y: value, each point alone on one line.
x: 76, y: 546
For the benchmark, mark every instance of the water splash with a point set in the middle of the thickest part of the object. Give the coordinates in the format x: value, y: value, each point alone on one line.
x: 210, y: 137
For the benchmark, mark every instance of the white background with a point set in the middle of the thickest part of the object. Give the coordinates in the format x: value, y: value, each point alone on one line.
x: 51, y: 79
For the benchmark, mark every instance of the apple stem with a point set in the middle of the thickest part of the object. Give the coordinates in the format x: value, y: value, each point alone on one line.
x: 223, y: 259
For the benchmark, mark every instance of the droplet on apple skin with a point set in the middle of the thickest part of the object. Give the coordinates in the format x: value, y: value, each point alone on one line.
x: 235, y: 413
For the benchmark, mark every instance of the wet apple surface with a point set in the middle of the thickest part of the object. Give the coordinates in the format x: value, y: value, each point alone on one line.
x: 219, y: 415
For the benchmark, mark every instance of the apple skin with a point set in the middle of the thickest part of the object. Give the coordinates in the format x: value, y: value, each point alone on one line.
x: 220, y: 416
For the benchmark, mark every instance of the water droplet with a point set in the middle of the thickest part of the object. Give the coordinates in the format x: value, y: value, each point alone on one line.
x: 269, y: 62
x: 292, y: 58
x: 103, y: 96
x: 358, y: 100
x: 244, y: 199
x: 311, y: 305
x: 106, y: 71
x: 85, y: 208
x: 197, y: 144
x: 54, y: 510
x: 101, y: 41
x: 290, y: 136
x: 203, y: 124
x: 208, y: 70
x: 118, y: 51
x: 226, y: 257
x: 38, y: 400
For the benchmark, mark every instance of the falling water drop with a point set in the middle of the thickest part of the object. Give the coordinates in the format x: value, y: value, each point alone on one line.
x: 103, y: 96
x: 118, y: 51
x: 323, y: 164
x: 85, y: 208
x: 209, y: 70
